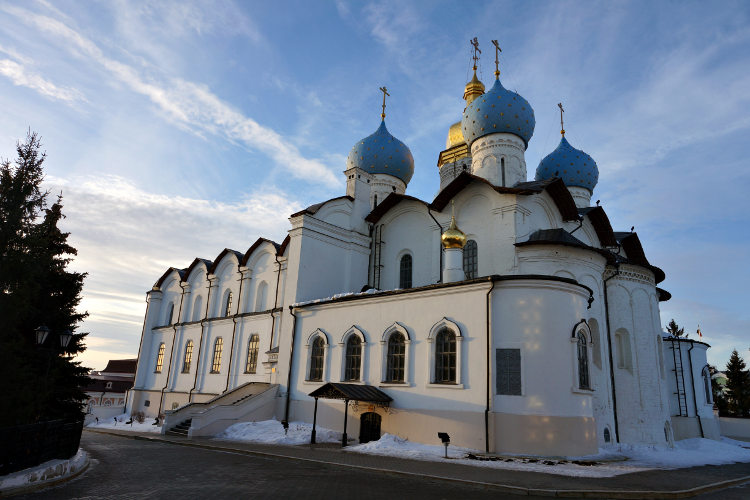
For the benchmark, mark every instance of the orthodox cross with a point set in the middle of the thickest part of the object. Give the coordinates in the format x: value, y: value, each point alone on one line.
x: 475, y: 44
x: 385, y: 93
x: 562, y: 127
x: 497, y: 58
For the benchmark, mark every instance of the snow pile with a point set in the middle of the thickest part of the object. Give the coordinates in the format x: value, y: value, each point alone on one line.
x: 369, y: 291
x: 52, y: 470
x: 687, y: 453
x: 119, y: 423
x: 272, y: 432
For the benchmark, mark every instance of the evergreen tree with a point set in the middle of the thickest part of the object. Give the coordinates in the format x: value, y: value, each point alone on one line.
x: 36, y: 289
x: 674, y: 330
x: 717, y: 391
x: 738, y: 386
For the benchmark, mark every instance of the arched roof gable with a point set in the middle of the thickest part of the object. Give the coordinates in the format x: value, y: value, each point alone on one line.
x: 197, y: 262
x: 255, y: 246
x: 635, y: 254
x: 222, y: 255
x: 600, y: 221
x: 181, y: 274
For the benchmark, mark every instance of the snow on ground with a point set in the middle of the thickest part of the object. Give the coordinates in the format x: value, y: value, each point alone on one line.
x: 119, y: 423
x: 43, y: 473
x: 272, y: 432
x: 610, y: 461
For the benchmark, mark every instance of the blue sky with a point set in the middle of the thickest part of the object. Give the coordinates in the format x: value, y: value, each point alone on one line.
x: 175, y: 129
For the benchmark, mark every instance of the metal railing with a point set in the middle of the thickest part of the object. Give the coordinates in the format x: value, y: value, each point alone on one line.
x: 25, y: 446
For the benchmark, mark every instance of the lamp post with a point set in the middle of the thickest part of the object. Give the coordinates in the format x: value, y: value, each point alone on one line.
x: 41, y: 333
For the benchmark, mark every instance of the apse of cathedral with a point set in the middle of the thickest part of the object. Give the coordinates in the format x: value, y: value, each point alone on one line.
x: 506, y: 312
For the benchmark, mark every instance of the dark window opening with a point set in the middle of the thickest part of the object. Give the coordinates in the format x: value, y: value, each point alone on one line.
x: 396, y: 358
x: 445, y: 357
x: 404, y: 280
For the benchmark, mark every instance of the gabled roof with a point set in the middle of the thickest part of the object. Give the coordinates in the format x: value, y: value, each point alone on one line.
x: 600, y: 221
x: 634, y: 250
x: 564, y: 238
x: 196, y: 262
x: 181, y: 272
x: 554, y: 187
x: 100, y: 385
x: 313, y: 209
x: 121, y: 366
x: 217, y: 260
x: 351, y: 392
x: 254, y: 246
x: 284, y: 245
x: 390, y: 201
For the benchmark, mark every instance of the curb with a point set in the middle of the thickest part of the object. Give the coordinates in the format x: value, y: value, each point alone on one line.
x: 504, y: 488
x: 30, y: 488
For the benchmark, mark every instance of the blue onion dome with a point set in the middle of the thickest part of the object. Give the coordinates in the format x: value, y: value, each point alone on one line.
x: 498, y: 110
x: 572, y: 165
x: 381, y: 153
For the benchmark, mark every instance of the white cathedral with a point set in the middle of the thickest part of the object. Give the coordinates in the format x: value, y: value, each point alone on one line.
x: 506, y: 312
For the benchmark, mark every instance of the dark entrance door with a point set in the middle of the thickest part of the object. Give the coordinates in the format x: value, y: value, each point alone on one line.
x: 369, y: 427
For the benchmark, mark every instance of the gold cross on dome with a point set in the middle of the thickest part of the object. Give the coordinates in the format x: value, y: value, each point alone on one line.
x: 562, y: 127
x: 475, y: 44
x: 497, y: 58
x: 385, y: 93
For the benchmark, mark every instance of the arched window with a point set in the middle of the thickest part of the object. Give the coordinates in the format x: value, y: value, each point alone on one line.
x: 396, y: 357
x: 353, y: 358
x: 188, y: 357
x: 583, y: 362
x: 502, y: 170
x: 316, y: 359
x: 260, y: 296
x: 198, y: 308
x: 707, y: 385
x: 228, y: 304
x: 252, y: 354
x: 170, y: 313
x: 607, y: 435
x: 404, y: 280
x: 159, y: 359
x: 624, y: 353
x: 375, y: 204
x: 218, y: 347
x: 445, y: 357
x: 471, y: 261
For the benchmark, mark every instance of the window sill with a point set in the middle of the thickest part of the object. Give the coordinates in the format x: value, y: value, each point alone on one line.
x: 445, y: 386
x: 313, y: 382
x: 157, y: 371
x: 249, y: 373
x: 582, y: 390
x: 214, y: 372
x: 394, y: 384
x: 355, y: 382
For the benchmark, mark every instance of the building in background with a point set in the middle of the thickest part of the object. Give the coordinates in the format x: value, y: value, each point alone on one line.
x: 108, y: 390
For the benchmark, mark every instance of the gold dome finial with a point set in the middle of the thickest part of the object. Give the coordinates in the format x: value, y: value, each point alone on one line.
x: 562, y: 126
x: 453, y: 237
x: 497, y: 59
x: 385, y: 93
x: 474, y: 88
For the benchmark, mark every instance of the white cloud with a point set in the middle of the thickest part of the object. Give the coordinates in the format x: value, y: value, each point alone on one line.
x: 192, y: 105
x: 22, y: 77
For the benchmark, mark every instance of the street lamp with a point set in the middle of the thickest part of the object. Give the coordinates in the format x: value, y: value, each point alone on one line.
x: 65, y: 337
x: 41, y: 334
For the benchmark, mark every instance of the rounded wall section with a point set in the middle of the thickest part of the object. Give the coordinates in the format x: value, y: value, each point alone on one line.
x: 499, y: 158
x: 538, y: 405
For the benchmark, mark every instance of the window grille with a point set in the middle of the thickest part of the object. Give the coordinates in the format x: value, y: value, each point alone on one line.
x: 188, y: 357
x: 316, y: 359
x: 445, y: 357
x: 159, y: 358
x: 583, y: 362
x: 471, y: 261
x: 396, y: 358
x: 508, y: 370
x: 405, y: 272
x: 252, y: 354
x: 353, y: 358
x: 218, y: 347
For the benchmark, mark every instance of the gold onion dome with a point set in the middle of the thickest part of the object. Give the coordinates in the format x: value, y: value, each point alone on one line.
x: 453, y: 237
x: 455, y: 136
x: 473, y: 89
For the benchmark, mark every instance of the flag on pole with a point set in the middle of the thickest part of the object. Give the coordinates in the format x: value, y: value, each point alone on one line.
x: 700, y: 335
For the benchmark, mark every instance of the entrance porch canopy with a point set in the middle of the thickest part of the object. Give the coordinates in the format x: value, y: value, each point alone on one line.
x: 347, y: 392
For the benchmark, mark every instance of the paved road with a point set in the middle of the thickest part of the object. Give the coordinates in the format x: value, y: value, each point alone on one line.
x: 124, y: 468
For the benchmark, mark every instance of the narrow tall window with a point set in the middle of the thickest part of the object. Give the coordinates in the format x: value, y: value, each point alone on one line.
x: 445, y: 357
x: 252, y: 354
x: 508, y: 370
x: 218, y: 347
x: 583, y: 362
x: 159, y: 359
x: 396, y: 358
x: 353, y: 358
x: 260, y: 296
x: 707, y: 385
x: 502, y: 170
x: 404, y: 280
x: 170, y: 312
x: 188, y: 357
x: 316, y: 359
x: 228, y: 304
x: 198, y: 308
x: 471, y: 260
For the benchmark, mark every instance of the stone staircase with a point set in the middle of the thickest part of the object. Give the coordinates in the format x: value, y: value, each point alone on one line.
x: 180, y: 429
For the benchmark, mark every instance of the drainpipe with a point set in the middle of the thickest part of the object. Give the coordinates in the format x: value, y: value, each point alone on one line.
x: 200, y: 345
x: 441, y: 249
x: 609, y: 345
x: 489, y: 381
x: 692, y: 382
x: 171, y: 356
x: 234, y: 328
x: 275, y: 302
x: 285, y: 422
x: 580, y: 225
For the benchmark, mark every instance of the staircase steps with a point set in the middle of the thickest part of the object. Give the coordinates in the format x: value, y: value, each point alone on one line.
x: 180, y: 429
